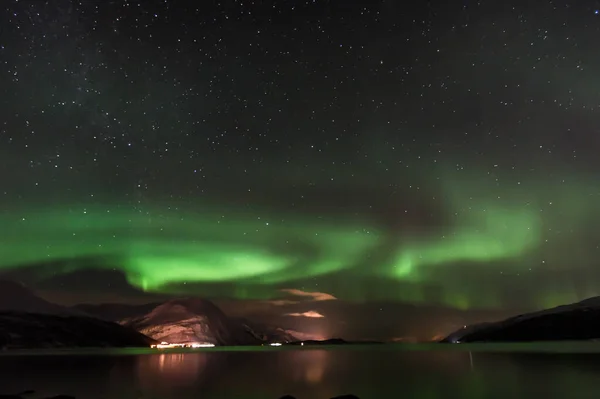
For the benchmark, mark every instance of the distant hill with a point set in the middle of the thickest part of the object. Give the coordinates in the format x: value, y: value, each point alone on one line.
x: 266, y: 333
x: 176, y: 321
x: 189, y: 319
x: 578, y: 321
x: 20, y: 330
x: 28, y: 321
x: 115, y: 311
x: 16, y: 297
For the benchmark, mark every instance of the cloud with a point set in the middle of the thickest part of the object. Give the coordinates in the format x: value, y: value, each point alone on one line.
x: 314, y: 296
x: 311, y: 314
x: 281, y: 302
x: 305, y: 336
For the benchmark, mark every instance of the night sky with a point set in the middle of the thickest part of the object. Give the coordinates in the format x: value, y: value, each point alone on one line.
x: 443, y: 154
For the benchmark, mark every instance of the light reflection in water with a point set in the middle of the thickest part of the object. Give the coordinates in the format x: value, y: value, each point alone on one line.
x: 179, y: 369
x: 378, y: 372
x: 310, y: 365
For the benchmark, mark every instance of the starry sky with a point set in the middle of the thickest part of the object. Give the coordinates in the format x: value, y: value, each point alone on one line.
x: 432, y: 155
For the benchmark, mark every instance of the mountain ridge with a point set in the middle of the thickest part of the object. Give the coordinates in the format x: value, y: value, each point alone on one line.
x: 576, y: 321
x: 16, y: 297
x: 192, y: 319
x: 189, y: 319
x: 28, y: 321
x: 22, y: 330
x: 177, y: 320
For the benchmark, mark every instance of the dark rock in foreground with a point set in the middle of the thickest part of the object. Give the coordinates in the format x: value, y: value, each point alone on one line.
x: 19, y: 396
x: 19, y: 330
x: 576, y: 322
x: 335, y: 397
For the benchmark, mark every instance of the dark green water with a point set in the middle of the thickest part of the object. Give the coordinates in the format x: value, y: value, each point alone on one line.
x: 552, y: 370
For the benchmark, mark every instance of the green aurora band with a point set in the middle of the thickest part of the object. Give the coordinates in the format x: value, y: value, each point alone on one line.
x: 158, y: 249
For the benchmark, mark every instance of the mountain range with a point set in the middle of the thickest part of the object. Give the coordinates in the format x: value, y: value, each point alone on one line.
x: 15, y: 297
x: 29, y: 321
x: 575, y: 322
x: 26, y: 320
x: 188, y: 320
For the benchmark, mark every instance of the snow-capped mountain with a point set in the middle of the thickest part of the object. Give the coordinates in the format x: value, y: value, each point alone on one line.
x: 199, y: 320
x: 188, y: 320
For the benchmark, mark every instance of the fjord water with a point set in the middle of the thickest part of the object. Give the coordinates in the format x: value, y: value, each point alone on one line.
x: 556, y: 370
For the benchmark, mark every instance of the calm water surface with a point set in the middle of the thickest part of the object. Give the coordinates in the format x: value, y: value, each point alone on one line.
x: 557, y: 370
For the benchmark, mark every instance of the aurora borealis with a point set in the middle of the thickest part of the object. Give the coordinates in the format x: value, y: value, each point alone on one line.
x: 474, y: 232
x: 435, y: 154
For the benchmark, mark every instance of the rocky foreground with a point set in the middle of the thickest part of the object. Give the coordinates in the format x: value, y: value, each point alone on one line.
x: 26, y: 395
x: 335, y: 397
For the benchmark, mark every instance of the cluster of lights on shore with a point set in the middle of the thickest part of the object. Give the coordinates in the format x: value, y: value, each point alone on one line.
x: 167, y: 345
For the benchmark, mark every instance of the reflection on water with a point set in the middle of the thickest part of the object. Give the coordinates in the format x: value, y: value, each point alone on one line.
x: 369, y: 372
x: 310, y: 365
x: 180, y: 369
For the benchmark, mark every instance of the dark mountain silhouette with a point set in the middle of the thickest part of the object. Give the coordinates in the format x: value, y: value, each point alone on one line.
x: 115, y: 311
x: 266, y: 333
x: 28, y: 321
x: 578, y: 321
x: 19, y: 330
x: 16, y: 297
